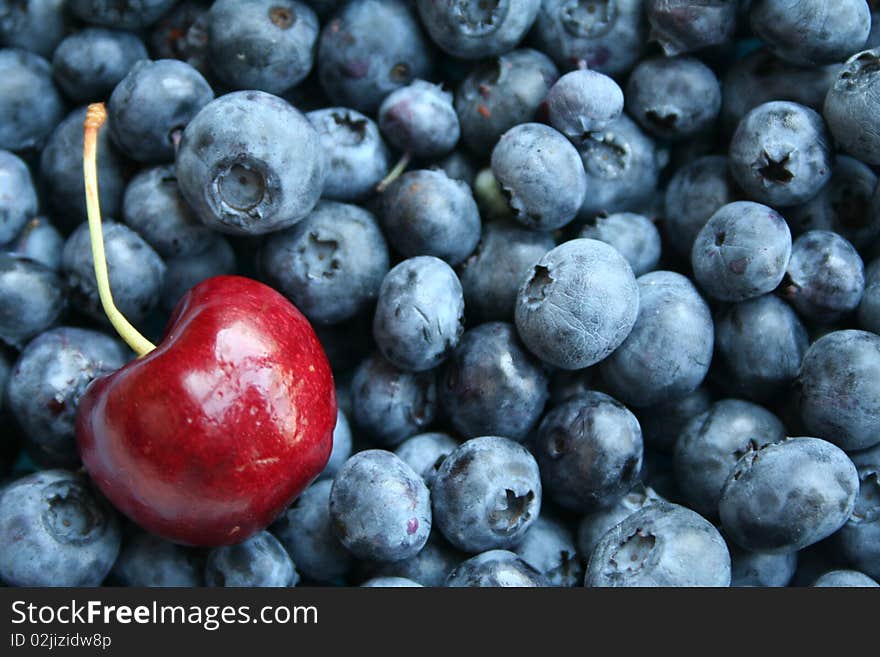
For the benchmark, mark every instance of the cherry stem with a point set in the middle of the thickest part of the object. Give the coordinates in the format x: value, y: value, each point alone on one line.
x: 95, y: 117
x: 394, y: 174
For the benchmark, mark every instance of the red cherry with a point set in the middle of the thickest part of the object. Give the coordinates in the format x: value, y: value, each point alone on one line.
x: 207, y: 437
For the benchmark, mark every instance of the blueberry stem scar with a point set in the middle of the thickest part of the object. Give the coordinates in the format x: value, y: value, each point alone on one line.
x: 95, y: 117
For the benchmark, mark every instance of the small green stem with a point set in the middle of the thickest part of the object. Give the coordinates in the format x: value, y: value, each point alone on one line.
x: 95, y: 117
x: 394, y: 174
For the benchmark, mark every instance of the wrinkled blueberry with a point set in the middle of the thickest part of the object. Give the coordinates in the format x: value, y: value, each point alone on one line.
x: 419, y: 314
x: 578, y: 304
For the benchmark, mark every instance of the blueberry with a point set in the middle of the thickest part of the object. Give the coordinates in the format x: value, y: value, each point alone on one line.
x: 330, y: 264
x: 154, y: 208
x: 741, y: 252
x: 846, y: 579
x: 150, y: 107
x: 425, y: 453
x: 541, y: 174
x: 594, y: 525
x: 622, y: 165
x: 491, y: 277
x: 391, y: 582
x: 695, y: 192
x: 306, y: 532
x: 712, y: 443
x: 668, y: 352
x: 492, y: 386
x: 759, y: 345
x: 844, y: 205
x: 182, y: 34
x: 425, y: 212
x: 419, y: 119
x: 578, y: 304
x: 31, y: 299
x: 496, y: 568
x: 249, y: 163
x: 30, y: 105
x: 470, y: 30
x: 420, y: 313
x: 859, y: 538
x: 583, y: 101
x: 869, y: 307
x: 184, y: 272
x: 761, y: 569
x: 47, y: 382
x: 18, y: 197
x: 55, y: 531
x: 608, y: 36
x: 548, y: 546
x: 780, y: 153
x: 61, y: 172
x: 389, y: 404
x: 673, y: 97
x: 633, y: 235
x: 681, y: 26
x: 136, y: 272
x: 341, y: 446
x: 37, y: 25
x: 458, y: 166
x: 429, y: 567
x: 826, y: 277
x: 838, y: 389
x: 589, y: 450
x: 357, y: 155
x: 486, y: 494
x: 359, y: 65
x: 122, y: 14
x: 147, y: 560
x: 39, y: 241
x: 851, y: 106
x: 262, y: 44
x: 88, y: 64
x: 760, y: 77
x: 788, y: 495
x: 812, y: 32
x: 662, y: 423
x: 662, y: 544
x: 501, y: 93
x: 380, y: 508
x: 260, y: 561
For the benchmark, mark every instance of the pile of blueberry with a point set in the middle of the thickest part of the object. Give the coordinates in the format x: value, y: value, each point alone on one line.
x: 599, y: 280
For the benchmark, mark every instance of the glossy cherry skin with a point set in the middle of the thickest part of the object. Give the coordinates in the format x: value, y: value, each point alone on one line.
x: 206, y: 439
